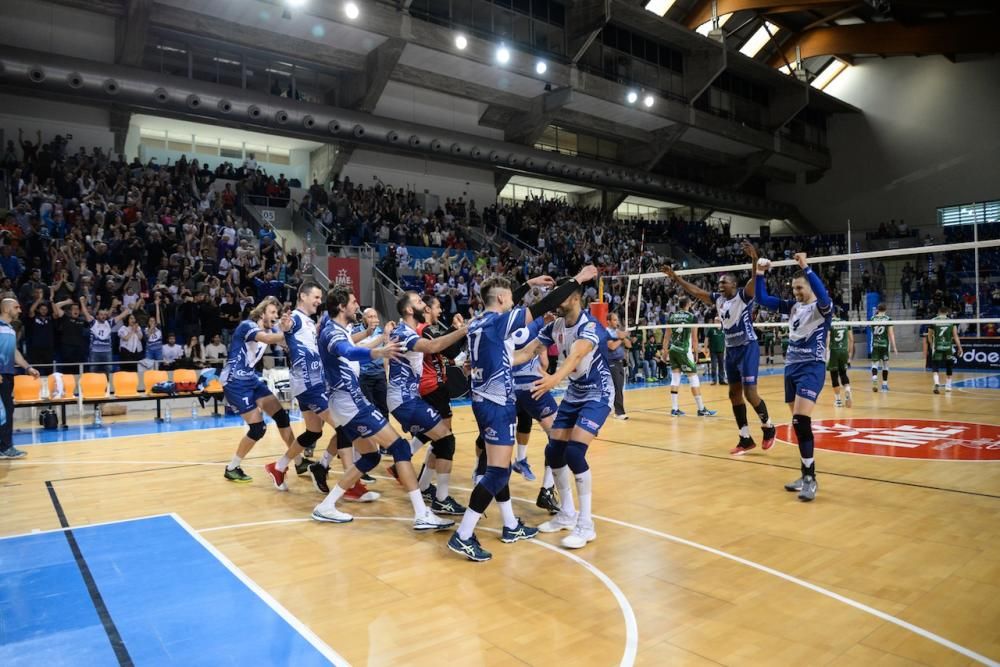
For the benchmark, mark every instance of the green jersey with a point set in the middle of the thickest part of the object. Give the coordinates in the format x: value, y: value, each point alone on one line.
x: 943, y: 336
x: 680, y: 339
x: 880, y: 332
x: 716, y: 339
x: 839, y: 335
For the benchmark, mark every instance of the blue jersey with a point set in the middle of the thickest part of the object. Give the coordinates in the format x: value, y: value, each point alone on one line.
x: 303, y: 349
x: 244, y: 353
x: 375, y: 366
x: 491, y: 346
x: 154, y: 340
x: 808, y: 323
x: 737, y: 317
x: 527, y: 373
x: 8, y: 343
x: 591, y: 379
x: 341, y: 374
x: 100, y: 336
x: 405, y: 372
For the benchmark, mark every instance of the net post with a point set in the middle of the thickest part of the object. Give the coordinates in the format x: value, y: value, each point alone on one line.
x: 850, y: 278
x: 975, y: 251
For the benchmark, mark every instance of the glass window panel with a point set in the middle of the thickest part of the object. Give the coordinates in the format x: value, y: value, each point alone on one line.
x: 207, y: 149
x: 586, y: 144
x: 557, y: 14
x: 150, y: 142
x: 183, y: 147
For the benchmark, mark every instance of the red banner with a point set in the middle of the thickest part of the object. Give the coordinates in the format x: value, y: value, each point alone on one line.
x: 345, y: 271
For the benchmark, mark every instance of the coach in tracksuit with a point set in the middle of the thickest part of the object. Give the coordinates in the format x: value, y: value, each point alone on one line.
x: 10, y: 358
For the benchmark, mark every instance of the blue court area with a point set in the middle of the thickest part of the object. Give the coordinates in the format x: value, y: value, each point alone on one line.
x: 167, y: 597
x: 983, y: 382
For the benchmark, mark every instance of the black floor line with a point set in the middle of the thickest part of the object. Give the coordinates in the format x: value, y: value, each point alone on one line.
x: 124, y: 659
x: 822, y: 473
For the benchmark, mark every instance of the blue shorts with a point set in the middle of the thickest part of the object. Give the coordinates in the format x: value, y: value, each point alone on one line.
x: 496, y: 422
x: 589, y: 416
x: 243, y: 396
x: 539, y: 409
x: 417, y: 416
x: 805, y: 379
x: 742, y: 363
x: 365, y: 424
x: 313, y: 399
x: 155, y: 355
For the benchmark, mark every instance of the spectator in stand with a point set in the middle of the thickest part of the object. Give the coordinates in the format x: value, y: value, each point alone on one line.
x: 40, y: 333
x: 194, y: 356
x: 154, y: 339
x: 172, y: 353
x: 130, y: 345
x: 101, y: 328
x: 717, y: 352
x: 215, y: 353
x: 617, y: 349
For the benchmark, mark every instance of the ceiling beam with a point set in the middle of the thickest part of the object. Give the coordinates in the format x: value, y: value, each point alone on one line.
x: 965, y: 35
x: 702, y: 12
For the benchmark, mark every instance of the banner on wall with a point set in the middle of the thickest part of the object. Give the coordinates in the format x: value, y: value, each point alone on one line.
x: 981, y: 354
x: 345, y: 271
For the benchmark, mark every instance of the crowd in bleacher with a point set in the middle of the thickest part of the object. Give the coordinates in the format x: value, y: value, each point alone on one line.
x: 116, y: 259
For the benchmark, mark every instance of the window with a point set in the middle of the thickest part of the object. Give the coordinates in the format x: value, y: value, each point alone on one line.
x: 514, y: 193
x: 757, y: 40
x: 626, y: 211
x: 969, y: 214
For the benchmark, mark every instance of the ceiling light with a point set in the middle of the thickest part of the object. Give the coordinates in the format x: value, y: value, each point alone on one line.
x: 503, y: 55
x: 632, y: 96
x: 648, y: 101
x: 461, y: 42
x: 351, y: 10
x: 659, y: 7
x: 757, y: 40
x: 541, y: 67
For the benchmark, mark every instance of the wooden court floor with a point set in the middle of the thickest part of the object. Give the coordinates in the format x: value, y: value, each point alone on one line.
x: 701, y: 559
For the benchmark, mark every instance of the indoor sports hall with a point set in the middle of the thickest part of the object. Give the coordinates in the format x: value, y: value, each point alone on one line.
x: 172, y: 167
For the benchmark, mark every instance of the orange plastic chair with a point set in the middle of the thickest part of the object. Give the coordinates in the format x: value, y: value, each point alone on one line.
x: 94, y: 385
x: 126, y: 383
x: 69, y: 386
x: 27, y: 388
x: 151, y: 378
x: 213, y: 387
x: 185, y: 375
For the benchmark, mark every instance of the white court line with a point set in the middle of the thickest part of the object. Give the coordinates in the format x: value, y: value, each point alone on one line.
x: 300, y: 627
x: 717, y: 552
x: 631, y: 626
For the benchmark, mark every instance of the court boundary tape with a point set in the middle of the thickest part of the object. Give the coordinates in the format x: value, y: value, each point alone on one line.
x: 631, y: 625
x: 889, y: 618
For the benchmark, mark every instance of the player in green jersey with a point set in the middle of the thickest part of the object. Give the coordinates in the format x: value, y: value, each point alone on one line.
x: 882, y: 336
x: 680, y: 348
x: 840, y: 342
x: 768, y: 339
x: 939, y: 341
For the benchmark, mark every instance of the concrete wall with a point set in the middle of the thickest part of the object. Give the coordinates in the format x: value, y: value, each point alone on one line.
x: 88, y: 125
x: 44, y: 26
x: 929, y: 137
x: 419, y: 174
x: 416, y: 105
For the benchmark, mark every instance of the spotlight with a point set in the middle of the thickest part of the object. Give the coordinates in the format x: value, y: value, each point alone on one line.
x: 541, y: 67
x: 648, y: 101
x: 503, y: 55
x: 351, y: 10
x: 461, y: 42
x: 632, y: 97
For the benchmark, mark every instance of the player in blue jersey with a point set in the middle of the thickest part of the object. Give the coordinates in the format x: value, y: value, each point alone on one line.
x: 491, y: 348
x: 805, y: 364
x: 360, y: 421
x: 413, y: 413
x: 583, y: 349
x: 735, y: 307
x: 308, y: 385
x: 247, y: 394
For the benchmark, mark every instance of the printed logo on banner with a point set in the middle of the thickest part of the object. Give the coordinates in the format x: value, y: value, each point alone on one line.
x: 345, y: 271
x: 906, y: 438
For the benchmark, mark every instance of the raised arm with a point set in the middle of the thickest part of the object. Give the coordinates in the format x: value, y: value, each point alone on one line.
x: 823, y: 300
x: 751, y: 251
x: 556, y: 297
x: 86, y: 311
x: 763, y: 298
x: 690, y: 288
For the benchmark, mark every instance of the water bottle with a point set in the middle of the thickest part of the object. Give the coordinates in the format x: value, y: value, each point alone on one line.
x: 166, y: 412
x: 296, y: 411
x: 97, y: 415
x: 309, y: 238
x: 194, y: 409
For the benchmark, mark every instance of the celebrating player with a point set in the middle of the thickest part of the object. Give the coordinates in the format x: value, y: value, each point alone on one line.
x: 680, y: 347
x: 248, y: 395
x: 735, y: 307
x: 940, y: 338
x: 840, y: 341
x: 882, y: 336
x: 808, y: 323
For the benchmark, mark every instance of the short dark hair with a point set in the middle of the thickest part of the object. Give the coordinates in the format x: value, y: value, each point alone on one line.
x: 799, y: 274
x: 307, y: 287
x: 491, y: 285
x: 338, y: 298
x: 881, y: 308
x: 403, y: 302
x: 683, y: 302
x: 942, y: 308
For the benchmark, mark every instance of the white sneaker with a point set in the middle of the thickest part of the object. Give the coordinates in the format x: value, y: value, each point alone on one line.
x: 947, y: 389
x: 621, y: 416
x: 579, y: 537
x: 331, y: 515
x: 559, y: 522
x: 431, y: 521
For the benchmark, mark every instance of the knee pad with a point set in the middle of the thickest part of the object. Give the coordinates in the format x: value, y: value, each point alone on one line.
x: 803, y: 427
x: 576, y: 457
x: 256, y: 431
x: 523, y: 422
x: 281, y: 418
x: 444, y: 448
x: 343, y: 442
x: 555, y: 454
x: 400, y: 450
x: 495, y: 479
x: 835, y: 378
x: 694, y: 380
x: 367, y: 462
x: 675, y: 378
x: 307, y: 439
